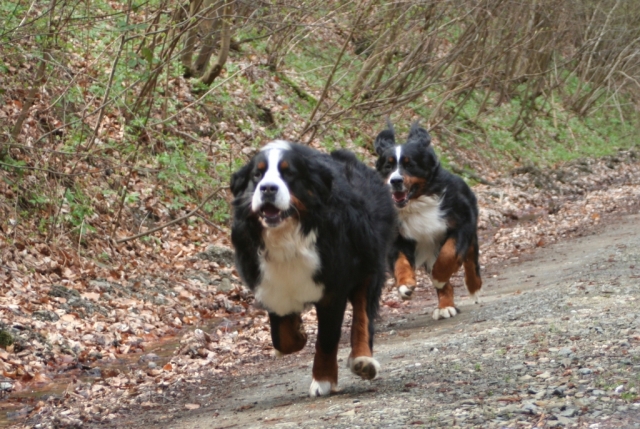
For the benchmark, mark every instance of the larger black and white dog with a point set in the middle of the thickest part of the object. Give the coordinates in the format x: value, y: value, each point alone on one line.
x: 438, y: 215
x: 311, y: 228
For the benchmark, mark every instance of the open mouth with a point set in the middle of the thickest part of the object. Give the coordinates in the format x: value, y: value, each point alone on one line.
x: 273, y: 216
x: 400, y: 198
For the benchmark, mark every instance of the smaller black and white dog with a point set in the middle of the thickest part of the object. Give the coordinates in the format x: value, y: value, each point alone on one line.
x: 310, y: 228
x: 438, y: 215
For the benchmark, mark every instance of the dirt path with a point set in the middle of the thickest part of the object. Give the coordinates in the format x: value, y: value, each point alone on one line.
x: 555, y: 342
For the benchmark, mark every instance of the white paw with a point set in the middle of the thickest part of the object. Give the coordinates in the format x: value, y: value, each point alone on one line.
x: 405, y: 291
x: 364, y: 367
x: 444, y: 313
x: 277, y: 354
x: 474, y: 297
x: 319, y: 388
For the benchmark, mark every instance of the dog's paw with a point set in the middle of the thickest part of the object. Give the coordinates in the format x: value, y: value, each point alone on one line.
x: 405, y: 291
x: 474, y: 298
x: 364, y: 367
x: 444, y: 313
x: 277, y: 354
x: 320, y: 388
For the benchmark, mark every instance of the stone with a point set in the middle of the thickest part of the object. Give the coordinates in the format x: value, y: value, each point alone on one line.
x: 565, y: 351
x: 225, y: 285
x: 559, y: 391
x: 218, y: 254
x: 584, y: 371
x: 544, y: 375
x: 569, y: 412
x: 530, y: 409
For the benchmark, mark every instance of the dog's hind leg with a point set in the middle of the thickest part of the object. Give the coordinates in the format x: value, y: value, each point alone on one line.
x: 405, y: 276
x: 325, y: 361
x: 446, y: 265
x: 472, y: 278
x: 361, y: 361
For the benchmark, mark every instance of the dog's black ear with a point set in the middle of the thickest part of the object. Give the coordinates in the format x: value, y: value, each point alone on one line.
x: 385, y: 139
x: 240, y: 180
x: 419, y: 135
x: 322, y: 178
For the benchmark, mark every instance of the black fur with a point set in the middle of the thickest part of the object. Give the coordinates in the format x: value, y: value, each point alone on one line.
x: 351, y: 212
x: 457, y: 201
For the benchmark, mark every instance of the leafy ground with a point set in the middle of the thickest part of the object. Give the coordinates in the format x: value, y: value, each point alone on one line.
x: 92, y: 319
x: 94, y: 345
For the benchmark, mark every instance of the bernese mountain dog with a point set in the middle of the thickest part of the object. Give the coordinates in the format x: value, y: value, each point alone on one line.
x: 438, y: 218
x: 311, y: 228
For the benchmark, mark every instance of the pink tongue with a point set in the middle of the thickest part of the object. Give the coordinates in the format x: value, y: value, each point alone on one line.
x: 270, y: 210
x: 399, y: 196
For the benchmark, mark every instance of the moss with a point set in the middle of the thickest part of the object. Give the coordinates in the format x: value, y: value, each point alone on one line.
x: 6, y: 339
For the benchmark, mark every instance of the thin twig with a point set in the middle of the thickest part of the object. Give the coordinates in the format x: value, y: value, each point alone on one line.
x: 307, y: 127
x: 211, y: 224
x: 180, y: 219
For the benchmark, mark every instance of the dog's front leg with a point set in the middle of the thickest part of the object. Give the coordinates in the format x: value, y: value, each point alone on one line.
x: 325, y: 361
x: 405, y: 276
x: 287, y: 333
x: 446, y: 265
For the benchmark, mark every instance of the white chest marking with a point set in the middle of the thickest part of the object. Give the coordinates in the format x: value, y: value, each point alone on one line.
x: 287, y: 265
x: 422, y: 220
x: 396, y: 174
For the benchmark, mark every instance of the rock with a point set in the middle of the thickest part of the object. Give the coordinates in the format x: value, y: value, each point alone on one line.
x: 509, y: 409
x: 63, y: 292
x: 569, y: 412
x: 559, y: 391
x: 565, y: 351
x: 544, y: 375
x: 218, y: 254
x: 5, y: 386
x: 530, y: 408
x: 584, y: 371
x: 225, y: 285
x: 149, y: 357
x: 562, y: 421
x: 46, y: 316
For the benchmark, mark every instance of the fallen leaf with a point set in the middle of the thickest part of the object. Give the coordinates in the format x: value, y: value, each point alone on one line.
x: 93, y: 296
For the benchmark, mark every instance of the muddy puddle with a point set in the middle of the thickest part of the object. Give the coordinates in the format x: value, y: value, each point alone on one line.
x: 20, y: 403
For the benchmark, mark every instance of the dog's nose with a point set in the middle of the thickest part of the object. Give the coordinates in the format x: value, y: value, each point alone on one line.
x: 396, y: 181
x: 269, y: 189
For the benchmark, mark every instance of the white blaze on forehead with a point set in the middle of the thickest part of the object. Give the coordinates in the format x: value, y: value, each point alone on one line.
x: 277, y: 144
x: 396, y: 174
x: 272, y: 177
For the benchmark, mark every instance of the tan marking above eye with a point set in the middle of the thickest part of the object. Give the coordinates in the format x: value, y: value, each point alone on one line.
x: 405, y: 160
x: 262, y: 165
x: 284, y: 165
x: 391, y: 159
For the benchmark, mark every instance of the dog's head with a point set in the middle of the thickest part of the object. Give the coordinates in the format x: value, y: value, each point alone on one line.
x: 282, y: 181
x: 406, y: 168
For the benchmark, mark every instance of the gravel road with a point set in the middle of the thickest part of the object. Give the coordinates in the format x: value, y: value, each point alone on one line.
x: 555, y: 342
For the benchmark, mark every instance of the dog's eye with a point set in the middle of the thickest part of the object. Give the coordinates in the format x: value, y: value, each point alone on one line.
x: 257, y: 175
